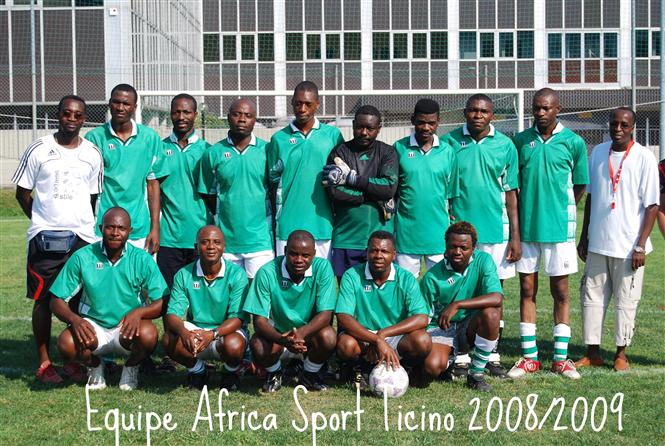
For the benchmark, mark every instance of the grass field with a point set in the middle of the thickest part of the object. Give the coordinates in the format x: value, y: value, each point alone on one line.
x: 32, y: 413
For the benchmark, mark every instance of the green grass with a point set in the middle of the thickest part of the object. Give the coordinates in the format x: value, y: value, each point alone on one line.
x: 32, y: 413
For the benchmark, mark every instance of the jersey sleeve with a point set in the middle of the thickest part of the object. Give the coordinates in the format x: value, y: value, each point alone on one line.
x: 452, y: 185
x: 152, y: 281
x: 237, y: 295
x: 580, y: 163
x: 511, y: 175
x: 384, y: 185
x: 159, y: 167
x: 649, y: 182
x: 274, y: 164
x: 178, y: 302
x: 326, y: 288
x: 207, y: 173
x: 414, y: 298
x: 346, y: 302
x: 258, y: 297
x: 96, y: 179
x: 28, y: 168
x: 69, y: 280
x: 488, y: 281
x: 343, y: 194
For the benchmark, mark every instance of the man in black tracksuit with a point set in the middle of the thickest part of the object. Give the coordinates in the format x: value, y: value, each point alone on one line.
x: 361, y: 178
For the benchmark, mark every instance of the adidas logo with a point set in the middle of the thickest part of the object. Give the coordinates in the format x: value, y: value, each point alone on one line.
x: 363, y: 157
x: 52, y: 153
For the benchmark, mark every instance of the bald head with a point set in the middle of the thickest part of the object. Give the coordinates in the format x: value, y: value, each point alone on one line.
x: 209, y: 231
x: 117, y: 213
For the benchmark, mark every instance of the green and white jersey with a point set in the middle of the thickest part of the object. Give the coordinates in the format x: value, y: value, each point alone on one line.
x: 487, y: 169
x: 377, y: 307
x: 208, y: 304
x: 110, y: 290
x: 239, y: 179
x: 442, y: 285
x: 296, y: 161
x: 183, y: 209
x: 427, y: 180
x: 287, y: 304
x: 127, y: 168
x: 548, y: 171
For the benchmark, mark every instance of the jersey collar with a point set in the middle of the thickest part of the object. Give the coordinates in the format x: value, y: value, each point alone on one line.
x: 200, y: 273
x: 229, y: 141
x: 285, y: 272
x: 368, y: 273
x: 103, y: 248
x: 295, y: 129
x: 450, y: 268
x: 465, y: 131
x: 192, y: 139
x: 557, y: 129
x: 413, y: 142
x: 135, y: 130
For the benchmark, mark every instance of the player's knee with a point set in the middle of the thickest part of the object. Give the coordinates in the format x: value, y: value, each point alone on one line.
x: 422, y: 343
x: 258, y: 346
x: 148, y: 336
x: 232, y: 346
x: 66, y: 345
x: 491, y: 316
x: 347, y: 347
x: 326, y: 338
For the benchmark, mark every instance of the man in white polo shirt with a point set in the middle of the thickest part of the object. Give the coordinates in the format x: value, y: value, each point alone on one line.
x: 57, y: 182
x: 619, y: 213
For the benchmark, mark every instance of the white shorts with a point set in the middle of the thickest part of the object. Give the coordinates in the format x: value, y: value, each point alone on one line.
x: 454, y: 336
x: 322, y: 248
x: 559, y: 259
x: 504, y: 268
x: 250, y: 262
x: 411, y: 262
x: 210, y: 351
x: 108, y: 340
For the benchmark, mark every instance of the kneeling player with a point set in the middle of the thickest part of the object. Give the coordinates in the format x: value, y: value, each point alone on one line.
x: 466, y: 295
x: 380, y: 311
x: 112, y: 273
x: 292, y: 299
x: 208, y: 294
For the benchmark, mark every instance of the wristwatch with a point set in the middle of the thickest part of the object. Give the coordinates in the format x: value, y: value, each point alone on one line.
x: 215, y: 335
x: 639, y: 249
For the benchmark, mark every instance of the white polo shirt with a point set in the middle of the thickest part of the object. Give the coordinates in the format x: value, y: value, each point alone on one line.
x: 62, y: 180
x: 613, y: 233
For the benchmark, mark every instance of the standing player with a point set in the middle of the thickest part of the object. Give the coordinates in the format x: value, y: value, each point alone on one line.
x: 466, y: 297
x: 183, y: 209
x: 203, y: 320
x: 296, y: 155
x: 233, y: 181
x: 427, y: 180
x: 65, y: 173
x: 554, y: 172
x: 619, y: 213
x: 488, y: 180
x: 292, y: 299
x: 132, y: 166
x: 380, y: 311
x: 361, y: 176
x: 112, y: 318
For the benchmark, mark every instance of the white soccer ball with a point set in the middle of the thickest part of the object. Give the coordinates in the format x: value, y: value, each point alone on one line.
x: 394, y: 381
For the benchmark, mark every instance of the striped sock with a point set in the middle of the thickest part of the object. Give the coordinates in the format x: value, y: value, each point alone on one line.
x: 561, y: 339
x: 528, y: 339
x: 481, y: 354
x: 199, y: 367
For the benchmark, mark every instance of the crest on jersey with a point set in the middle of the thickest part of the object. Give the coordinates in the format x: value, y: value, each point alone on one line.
x: 463, y: 144
x: 411, y: 154
x: 169, y: 152
x: 368, y: 288
x: 293, y: 140
x: 227, y: 155
x: 99, y: 265
x: 532, y: 144
x: 196, y: 285
x: 285, y: 283
x: 450, y: 280
x: 111, y: 146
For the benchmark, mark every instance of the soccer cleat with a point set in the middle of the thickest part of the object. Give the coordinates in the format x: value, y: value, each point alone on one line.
x: 496, y: 370
x: 96, y: 379
x: 459, y: 371
x: 292, y: 372
x: 76, y: 372
x: 48, y: 374
x: 566, y: 368
x: 590, y: 361
x: 273, y: 382
x: 230, y: 381
x: 312, y: 381
x: 522, y: 367
x: 621, y: 364
x: 167, y: 365
x: 477, y: 381
x: 129, y: 380
x: 196, y: 381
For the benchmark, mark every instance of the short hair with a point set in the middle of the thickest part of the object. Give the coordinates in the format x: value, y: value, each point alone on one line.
x: 127, y: 88
x: 70, y: 97
x: 369, y: 110
x: 628, y: 109
x: 186, y: 96
x: 382, y: 235
x: 545, y: 92
x: 307, y: 86
x: 300, y: 235
x: 462, y: 228
x: 426, y: 106
x: 478, y: 97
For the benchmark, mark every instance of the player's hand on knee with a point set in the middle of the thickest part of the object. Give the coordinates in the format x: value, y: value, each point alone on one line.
x: 130, y: 325
x: 84, y: 332
x: 447, y: 315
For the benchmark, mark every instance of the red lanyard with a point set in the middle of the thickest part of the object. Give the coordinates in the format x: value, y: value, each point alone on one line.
x: 613, y: 179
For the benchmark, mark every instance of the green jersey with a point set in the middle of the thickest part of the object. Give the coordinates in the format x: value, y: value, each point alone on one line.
x: 208, y: 304
x: 127, y: 168
x: 377, y: 307
x: 296, y: 162
x: 239, y: 179
x: 275, y: 296
x: 110, y: 290
x: 487, y: 169
x: 548, y: 171
x: 183, y: 209
x: 442, y: 285
x: 427, y: 180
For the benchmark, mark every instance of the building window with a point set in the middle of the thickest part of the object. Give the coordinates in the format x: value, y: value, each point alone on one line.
x: 419, y: 46
x: 247, y: 47
x: 655, y: 43
x: 525, y: 44
x: 486, y: 44
x: 573, y: 46
x: 467, y: 45
x: 313, y: 46
x: 294, y: 46
x: 592, y: 45
x: 506, y: 45
x: 439, y: 45
x: 266, y: 47
x: 554, y: 46
x: 381, y: 46
x: 332, y: 46
x: 352, y: 46
x: 229, y: 47
x: 211, y: 47
x: 400, y: 46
